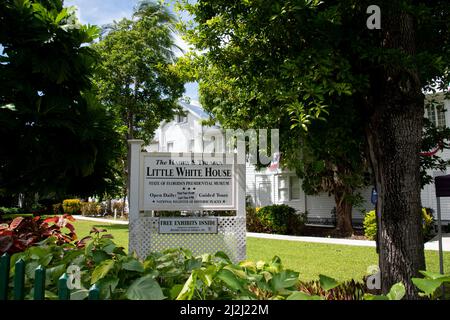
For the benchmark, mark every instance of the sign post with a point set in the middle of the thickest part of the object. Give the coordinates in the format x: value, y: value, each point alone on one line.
x: 133, y: 187
x: 442, y: 189
x: 186, y: 182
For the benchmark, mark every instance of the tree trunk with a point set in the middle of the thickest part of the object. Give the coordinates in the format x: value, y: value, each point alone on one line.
x: 394, y: 138
x: 344, y: 226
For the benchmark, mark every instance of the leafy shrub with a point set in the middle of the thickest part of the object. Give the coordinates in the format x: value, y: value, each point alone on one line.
x: 90, y: 208
x: 118, y: 206
x: 370, y: 224
x: 254, y: 224
x: 58, y: 208
x: 12, y: 210
x: 428, y: 223
x: 72, y: 206
x: 24, y: 232
x: 281, y: 219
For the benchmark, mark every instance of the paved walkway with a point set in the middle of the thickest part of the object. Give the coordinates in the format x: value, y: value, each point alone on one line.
x: 365, y: 243
x: 434, y: 245
x: 102, y: 220
x: 430, y: 245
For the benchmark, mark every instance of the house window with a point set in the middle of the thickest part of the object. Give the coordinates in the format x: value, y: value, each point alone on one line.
x: 294, y: 186
x: 213, y: 144
x: 169, y: 146
x: 288, y: 188
x: 181, y: 118
x: 436, y: 114
x: 283, y: 188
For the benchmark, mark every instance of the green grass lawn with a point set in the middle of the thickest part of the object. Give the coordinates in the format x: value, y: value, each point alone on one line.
x: 310, y: 259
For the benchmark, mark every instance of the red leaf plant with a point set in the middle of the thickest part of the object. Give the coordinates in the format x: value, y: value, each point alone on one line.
x: 23, y: 232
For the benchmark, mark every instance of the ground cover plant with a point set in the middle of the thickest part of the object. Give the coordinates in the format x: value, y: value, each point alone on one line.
x: 172, y: 274
x: 23, y: 232
x: 338, y: 261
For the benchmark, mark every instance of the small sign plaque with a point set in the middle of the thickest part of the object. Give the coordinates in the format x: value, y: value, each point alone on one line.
x: 188, y: 225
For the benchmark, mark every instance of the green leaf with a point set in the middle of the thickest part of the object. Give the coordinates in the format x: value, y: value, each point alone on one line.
x: 368, y: 296
x: 88, y: 249
x: 428, y: 286
x: 175, y: 291
x: 30, y: 268
x: 107, y: 285
x: 100, y: 256
x: 193, y: 264
x: 102, y: 270
x: 435, y: 275
x: 237, y: 271
x: 207, y: 275
x: 302, y: 296
x: 50, y: 295
x: 109, y: 249
x: 63, y: 14
x: 223, y: 256
x: 251, y: 265
x: 165, y: 265
x: 37, y: 253
x: 327, y: 283
x: 79, y: 294
x: 397, y: 292
x: 9, y: 106
x: 189, y: 287
x: 55, y: 272
x: 145, y: 288
x: 230, y: 279
x: 284, y: 279
x: 133, y: 265
x: 45, y: 260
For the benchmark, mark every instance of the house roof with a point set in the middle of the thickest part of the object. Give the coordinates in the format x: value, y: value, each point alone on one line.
x: 195, y: 110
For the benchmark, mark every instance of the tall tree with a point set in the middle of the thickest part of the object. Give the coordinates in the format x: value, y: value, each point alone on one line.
x: 291, y: 59
x: 138, y: 79
x: 56, y: 139
x: 331, y: 158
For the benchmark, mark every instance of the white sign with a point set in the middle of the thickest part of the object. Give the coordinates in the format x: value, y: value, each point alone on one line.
x: 187, y: 225
x: 187, y: 183
x: 194, y: 181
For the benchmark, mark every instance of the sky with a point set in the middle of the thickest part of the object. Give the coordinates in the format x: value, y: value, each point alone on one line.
x: 100, y: 12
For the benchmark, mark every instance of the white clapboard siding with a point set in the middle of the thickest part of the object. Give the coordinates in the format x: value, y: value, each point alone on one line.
x: 320, y: 206
x: 250, y: 182
x: 262, y: 186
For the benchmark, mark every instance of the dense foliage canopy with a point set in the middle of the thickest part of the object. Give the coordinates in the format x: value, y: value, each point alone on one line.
x: 56, y: 139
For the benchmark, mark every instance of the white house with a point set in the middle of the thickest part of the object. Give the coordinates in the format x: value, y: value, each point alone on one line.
x: 439, y: 116
x: 265, y: 187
